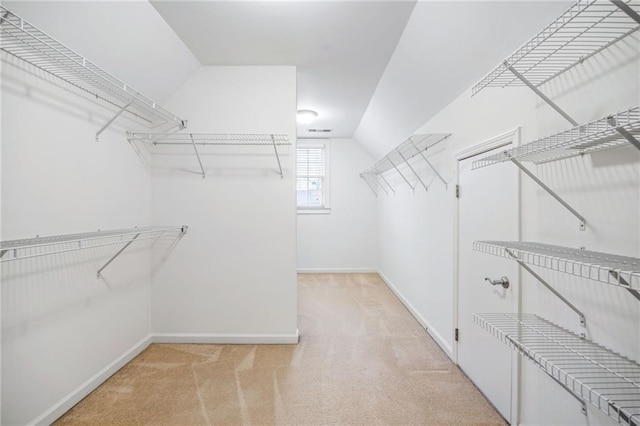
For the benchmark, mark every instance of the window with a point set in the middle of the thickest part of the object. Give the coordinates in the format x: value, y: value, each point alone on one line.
x: 312, y: 185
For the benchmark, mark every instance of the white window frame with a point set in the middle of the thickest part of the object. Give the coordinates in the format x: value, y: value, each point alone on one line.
x: 326, y: 188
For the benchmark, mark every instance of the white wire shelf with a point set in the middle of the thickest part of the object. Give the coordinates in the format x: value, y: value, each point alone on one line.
x: 214, y: 144
x: 28, y: 43
x: 603, y: 267
x: 210, y: 139
x: 595, y: 136
x: 13, y: 250
x: 408, y: 149
x: 414, y: 146
x: 590, y: 372
x: 585, y: 29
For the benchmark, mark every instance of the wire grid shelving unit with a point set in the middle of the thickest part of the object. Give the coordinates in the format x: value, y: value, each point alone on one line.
x: 214, y: 144
x: 585, y: 29
x: 606, y: 268
x: 590, y: 372
x: 413, y: 146
x: 13, y: 250
x: 595, y: 136
x: 33, y: 46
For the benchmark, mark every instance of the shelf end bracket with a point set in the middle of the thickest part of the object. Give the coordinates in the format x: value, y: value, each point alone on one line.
x: 275, y: 148
x: 583, y: 221
x: 387, y: 183
x: 540, y: 94
x: 197, y: 154
x: 413, y: 170
x: 108, y: 123
x: 117, y: 254
x: 400, y: 173
x: 583, y: 321
x: 623, y: 132
x: 370, y: 186
x: 424, y: 157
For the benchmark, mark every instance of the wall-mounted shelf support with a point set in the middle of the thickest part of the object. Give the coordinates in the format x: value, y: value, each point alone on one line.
x: 430, y: 165
x: 197, y: 155
x: 625, y: 284
x: 413, y: 170
x: 213, y: 143
x: 627, y: 9
x: 540, y: 94
x: 108, y: 123
x: 275, y: 148
x: 403, y: 154
x: 623, y: 132
x: 387, y: 183
x: 383, y: 188
x: 117, y: 254
x: 45, y: 246
x: 583, y: 321
x: 364, y: 177
x: 33, y: 46
x: 594, y: 374
x: 399, y: 172
x: 583, y: 221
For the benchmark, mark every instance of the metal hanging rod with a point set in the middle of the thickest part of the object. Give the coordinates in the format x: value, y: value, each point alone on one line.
x: 590, y: 372
x: 621, y: 271
x: 585, y: 29
x: 414, y: 146
x: 197, y: 141
x: 612, y: 131
x: 44, y: 246
x: 33, y: 46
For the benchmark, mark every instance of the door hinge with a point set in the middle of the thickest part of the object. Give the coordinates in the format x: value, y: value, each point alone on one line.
x: 456, y: 335
x: 457, y: 191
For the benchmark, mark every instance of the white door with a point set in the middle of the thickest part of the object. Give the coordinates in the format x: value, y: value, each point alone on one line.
x: 488, y: 210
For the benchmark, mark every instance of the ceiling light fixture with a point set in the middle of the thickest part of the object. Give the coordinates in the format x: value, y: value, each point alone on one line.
x: 306, y: 116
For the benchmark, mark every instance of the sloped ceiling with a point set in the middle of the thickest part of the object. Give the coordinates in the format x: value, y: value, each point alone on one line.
x: 340, y: 48
x: 128, y: 39
x: 447, y: 46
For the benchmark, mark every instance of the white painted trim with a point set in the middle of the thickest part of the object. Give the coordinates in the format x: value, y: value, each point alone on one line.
x: 337, y: 270
x: 512, y: 137
x: 227, y: 339
x: 66, y: 403
x: 493, y: 143
x: 423, y: 322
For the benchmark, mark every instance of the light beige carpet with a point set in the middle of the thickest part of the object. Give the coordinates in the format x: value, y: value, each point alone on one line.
x: 362, y: 359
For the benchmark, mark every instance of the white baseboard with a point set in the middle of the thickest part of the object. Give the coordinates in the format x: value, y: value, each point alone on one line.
x: 66, y: 403
x: 423, y: 322
x: 228, y: 339
x: 337, y: 270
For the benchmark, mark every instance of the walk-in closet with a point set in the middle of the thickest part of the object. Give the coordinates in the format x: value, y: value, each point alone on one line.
x: 320, y: 212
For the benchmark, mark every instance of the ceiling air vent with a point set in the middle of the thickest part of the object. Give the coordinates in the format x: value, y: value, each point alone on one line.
x: 319, y: 130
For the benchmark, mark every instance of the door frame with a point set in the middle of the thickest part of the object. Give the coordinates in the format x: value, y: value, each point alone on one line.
x: 511, y: 137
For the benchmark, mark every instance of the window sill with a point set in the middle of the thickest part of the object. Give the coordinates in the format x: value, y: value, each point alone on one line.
x: 319, y: 210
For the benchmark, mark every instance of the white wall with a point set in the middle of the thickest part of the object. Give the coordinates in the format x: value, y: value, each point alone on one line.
x: 234, y: 278
x: 346, y: 239
x: 61, y: 325
x: 416, y: 231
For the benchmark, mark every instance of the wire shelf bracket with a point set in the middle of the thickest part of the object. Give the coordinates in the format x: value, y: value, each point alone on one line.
x: 612, y: 131
x: 583, y: 320
x: 620, y: 271
x: 29, y: 44
x: 45, y: 246
x: 200, y: 141
x: 414, y: 146
x: 583, y: 221
x: 584, y: 30
x: 591, y: 373
x: 540, y: 94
